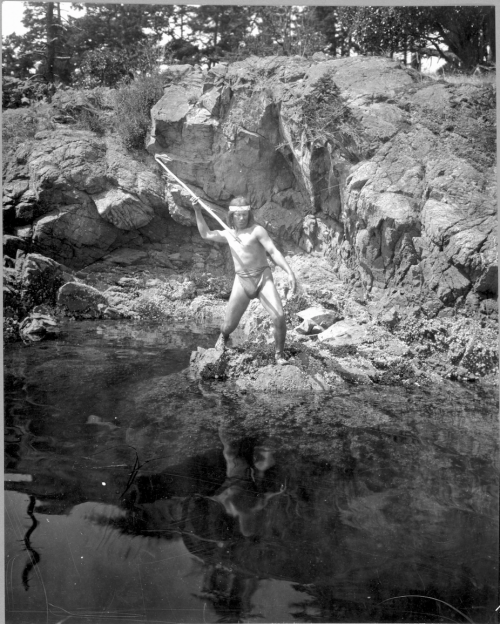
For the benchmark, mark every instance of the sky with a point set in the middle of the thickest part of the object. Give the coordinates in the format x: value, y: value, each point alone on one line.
x: 12, y: 14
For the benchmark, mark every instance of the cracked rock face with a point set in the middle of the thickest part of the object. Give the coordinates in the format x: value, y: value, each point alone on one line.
x: 388, y: 175
x: 403, y: 194
x: 77, y: 197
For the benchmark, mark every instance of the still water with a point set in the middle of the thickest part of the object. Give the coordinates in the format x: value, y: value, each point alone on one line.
x: 135, y: 494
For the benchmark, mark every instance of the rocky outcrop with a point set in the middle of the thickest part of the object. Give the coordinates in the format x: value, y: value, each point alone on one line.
x: 399, y: 191
x: 387, y: 176
x: 81, y: 196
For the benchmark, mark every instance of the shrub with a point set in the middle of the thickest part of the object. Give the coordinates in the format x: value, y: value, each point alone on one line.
x: 326, y: 117
x: 133, y: 106
x: 17, y: 92
x: 102, y: 67
x: 91, y: 120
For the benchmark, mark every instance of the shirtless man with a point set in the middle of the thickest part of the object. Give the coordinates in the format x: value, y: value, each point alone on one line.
x: 253, y: 275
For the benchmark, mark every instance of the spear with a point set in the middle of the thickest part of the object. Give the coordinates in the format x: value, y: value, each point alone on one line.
x: 159, y: 159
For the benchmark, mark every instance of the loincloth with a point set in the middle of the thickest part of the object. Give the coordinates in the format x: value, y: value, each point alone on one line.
x: 253, y: 281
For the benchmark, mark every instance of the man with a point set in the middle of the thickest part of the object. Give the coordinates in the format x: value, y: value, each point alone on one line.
x: 253, y: 275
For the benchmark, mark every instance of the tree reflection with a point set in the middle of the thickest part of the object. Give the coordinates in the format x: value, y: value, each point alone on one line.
x: 34, y: 556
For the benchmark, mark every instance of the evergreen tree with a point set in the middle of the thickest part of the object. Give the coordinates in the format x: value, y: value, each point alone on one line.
x: 220, y: 29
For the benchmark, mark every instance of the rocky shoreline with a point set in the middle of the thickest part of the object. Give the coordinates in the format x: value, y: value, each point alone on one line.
x: 377, y: 183
x: 336, y: 335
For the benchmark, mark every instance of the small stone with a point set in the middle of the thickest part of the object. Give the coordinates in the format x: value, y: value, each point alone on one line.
x: 319, y: 316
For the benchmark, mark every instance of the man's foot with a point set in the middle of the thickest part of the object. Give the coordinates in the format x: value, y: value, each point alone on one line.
x: 221, y: 343
x: 280, y: 359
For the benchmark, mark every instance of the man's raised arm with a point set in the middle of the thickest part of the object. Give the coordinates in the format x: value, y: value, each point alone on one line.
x: 276, y: 255
x: 206, y: 233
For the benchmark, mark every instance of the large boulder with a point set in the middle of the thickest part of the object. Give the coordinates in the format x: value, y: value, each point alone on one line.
x: 122, y: 209
x: 41, y: 279
x: 81, y: 301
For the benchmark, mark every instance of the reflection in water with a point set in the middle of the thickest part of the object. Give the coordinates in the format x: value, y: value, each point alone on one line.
x: 157, y: 499
x: 34, y: 557
x: 242, y: 494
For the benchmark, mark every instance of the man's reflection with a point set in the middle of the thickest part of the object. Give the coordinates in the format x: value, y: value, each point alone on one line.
x: 243, y: 494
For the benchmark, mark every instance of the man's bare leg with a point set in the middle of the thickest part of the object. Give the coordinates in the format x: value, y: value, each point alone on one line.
x: 271, y: 301
x: 236, y: 307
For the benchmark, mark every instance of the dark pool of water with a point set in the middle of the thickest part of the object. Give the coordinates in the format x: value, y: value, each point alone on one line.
x: 134, y: 494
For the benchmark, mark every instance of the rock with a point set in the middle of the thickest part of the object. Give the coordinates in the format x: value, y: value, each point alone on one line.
x: 36, y: 327
x: 431, y: 308
x: 358, y: 370
x: 390, y: 318
x: 20, y: 260
x: 11, y: 244
x: 80, y: 300
x: 208, y: 363
x: 41, y: 279
x: 320, y: 316
x: 61, y: 174
x: 124, y: 210
x: 411, y: 204
x: 127, y: 257
x: 42, y: 309
x: 489, y: 307
x: 344, y: 333
x: 76, y: 234
x: 109, y: 312
x: 446, y: 313
x: 308, y: 327
x: 161, y: 259
x: 183, y: 291
x: 479, y: 358
x: 283, y: 379
x: 129, y: 282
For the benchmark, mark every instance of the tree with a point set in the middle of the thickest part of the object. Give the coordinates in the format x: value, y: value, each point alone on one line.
x: 43, y: 49
x: 467, y: 31
x: 220, y: 29
x: 462, y: 35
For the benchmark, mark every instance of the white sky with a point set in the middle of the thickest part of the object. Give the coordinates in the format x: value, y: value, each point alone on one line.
x: 12, y: 14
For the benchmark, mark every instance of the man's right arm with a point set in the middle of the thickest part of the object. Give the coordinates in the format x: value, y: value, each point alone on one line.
x: 217, y: 236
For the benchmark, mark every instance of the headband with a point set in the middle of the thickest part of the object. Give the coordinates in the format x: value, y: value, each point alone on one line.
x: 236, y: 208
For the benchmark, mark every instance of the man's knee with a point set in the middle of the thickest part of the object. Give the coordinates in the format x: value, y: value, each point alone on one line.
x: 279, y: 319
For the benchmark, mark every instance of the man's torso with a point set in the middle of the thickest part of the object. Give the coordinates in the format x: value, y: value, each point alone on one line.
x: 250, y: 254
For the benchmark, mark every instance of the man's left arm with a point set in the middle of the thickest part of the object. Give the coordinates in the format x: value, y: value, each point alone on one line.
x: 276, y: 255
